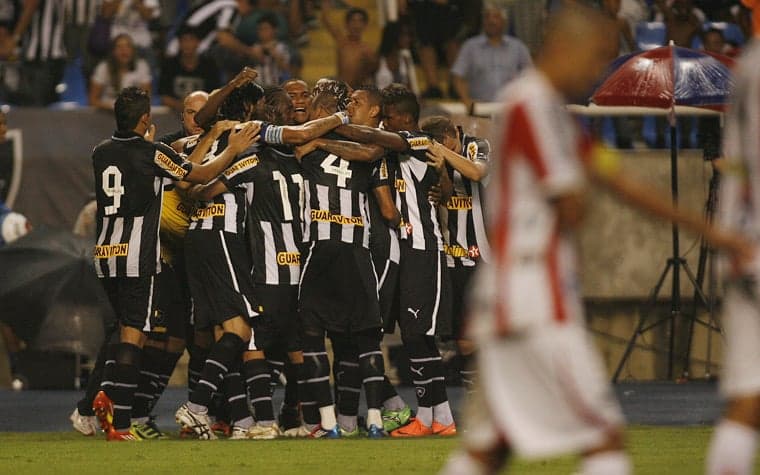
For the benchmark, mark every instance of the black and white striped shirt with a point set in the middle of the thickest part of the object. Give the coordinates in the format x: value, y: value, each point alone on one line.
x: 207, y: 19
x: 276, y: 217
x: 43, y: 39
x: 82, y: 12
x: 464, y: 227
x: 130, y: 174
x: 420, y: 228
x: 383, y: 239
x: 336, y: 206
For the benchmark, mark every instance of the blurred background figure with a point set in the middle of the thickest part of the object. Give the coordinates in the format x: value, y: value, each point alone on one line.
x: 355, y: 58
x: 122, y: 68
x: 395, y: 60
x: 186, y: 72
x: 133, y: 18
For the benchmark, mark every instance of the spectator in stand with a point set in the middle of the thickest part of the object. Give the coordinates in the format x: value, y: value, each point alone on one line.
x: 682, y: 21
x: 713, y: 41
x: 395, y: 63
x: 626, y: 43
x: 356, y: 59
x: 132, y: 17
x: 208, y: 18
x: 186, y: 72
x: 80, y: 17
x: 489, y: 60
x: 271, y: 57
x: 121, y: 69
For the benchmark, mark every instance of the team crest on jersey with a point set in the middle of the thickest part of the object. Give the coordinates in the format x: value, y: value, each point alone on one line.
x: 459, y: 203
x: 473, y: 252
x: 107, y: 251
x: 472, y: 151
x: 168, y: 164
x: 289, y: 258
x: 216, y: 209
x: 408, y: 228
x: 419, y: 143
x: 400, y: 185
x: 10, y: 167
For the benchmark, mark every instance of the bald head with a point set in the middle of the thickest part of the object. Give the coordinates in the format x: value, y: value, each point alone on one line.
x: 579, y: 44
x: 190, y: 106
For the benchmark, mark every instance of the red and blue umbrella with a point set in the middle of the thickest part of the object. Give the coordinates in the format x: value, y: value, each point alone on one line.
x: 666, y: 77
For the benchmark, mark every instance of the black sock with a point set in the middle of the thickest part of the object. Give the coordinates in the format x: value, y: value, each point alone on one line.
x: 84, y: 405
x: 234, y: 393
x: 291, y: 388
x: 372, y: 373
x: 223, y: 353
x: 388, y: 391
x: 468, y: 372
x: 316, y: 367
x: 276, y: 369
x: 126, y: 373
x: 348, y: 386
x: 257, y: 378
x: 148, y: 381
x: 198, y: 357
x: 309, y: 408
x: 106, y: 382
x: 425, y: 367
x: 167, y: 368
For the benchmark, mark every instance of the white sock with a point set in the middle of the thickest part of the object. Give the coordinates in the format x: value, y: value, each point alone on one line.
x: 606, y: 463
x: 461, y: 463
x: 347, y: 423
x: 442, y: 413
x: 197, y: 408
x: 244, y: 423
x: 374, y: 417
x: 327, y: 417
x: 732, y: 449
x: 394, y: 404
x: 425, y: 415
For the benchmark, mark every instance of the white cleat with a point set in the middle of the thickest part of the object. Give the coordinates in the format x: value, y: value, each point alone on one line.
x: 197, y: 422
x: 238, y: 433
x: 261, y: 432
x: 85, y: 425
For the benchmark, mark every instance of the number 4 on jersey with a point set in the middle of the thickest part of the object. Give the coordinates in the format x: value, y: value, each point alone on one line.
x: 341, y: 170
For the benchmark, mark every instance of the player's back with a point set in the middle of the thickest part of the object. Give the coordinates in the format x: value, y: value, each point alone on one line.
x: 336, y: 198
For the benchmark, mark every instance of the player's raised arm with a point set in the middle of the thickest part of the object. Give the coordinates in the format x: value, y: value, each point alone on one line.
x: 205, y: 116
x: 365, y: 134
x: 239, y: 140
x: 471, y: 169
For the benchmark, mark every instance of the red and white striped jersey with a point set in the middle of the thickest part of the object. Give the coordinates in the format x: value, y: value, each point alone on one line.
x: 531, y: 280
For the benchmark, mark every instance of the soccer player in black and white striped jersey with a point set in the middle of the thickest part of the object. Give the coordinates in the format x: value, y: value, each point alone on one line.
x: 464, y: 231
x: 129, y: 174
x: 207, y: 19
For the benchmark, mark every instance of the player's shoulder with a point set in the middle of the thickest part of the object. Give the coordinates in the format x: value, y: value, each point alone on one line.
x: 416, y: 139
x: 476, y: 147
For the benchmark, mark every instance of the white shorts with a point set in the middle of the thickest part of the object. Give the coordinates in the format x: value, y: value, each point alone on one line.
x: 741, y: 356
x: 543, y: 394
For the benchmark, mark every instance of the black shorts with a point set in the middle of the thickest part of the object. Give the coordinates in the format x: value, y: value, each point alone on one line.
x: 276, y: 329
x: 387, y: 286
x: 436, y: 24
x: 424, y: 293
x: 460, y: 286
x: 134, y: 299
x: 172, y: 314
x: 338, y: 290
x: 219, y: 273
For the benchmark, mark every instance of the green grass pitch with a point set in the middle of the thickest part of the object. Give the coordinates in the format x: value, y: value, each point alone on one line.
x: 655, y: 450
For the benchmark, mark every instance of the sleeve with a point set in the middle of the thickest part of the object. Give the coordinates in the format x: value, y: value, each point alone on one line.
x: 478, y: 150
x: 169, y: 163
x: 416, y: 141
x: 462, y: 64
x: 101, y: 76
x: 380, y: 176
x: 242, y: 171
x: 271, y: 134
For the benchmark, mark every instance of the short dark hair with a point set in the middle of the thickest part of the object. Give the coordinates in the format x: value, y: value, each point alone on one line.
x: 710, y: 31
x: 338, y: 89
x: 404, y: 100
x: 189, y: 30
x: 131, y: 104
x: 357, y: 11
x: 278, y: 108
x: 240, y: 101
x: 375, y: 96
x: 268, y: 18
x: 438, y: 127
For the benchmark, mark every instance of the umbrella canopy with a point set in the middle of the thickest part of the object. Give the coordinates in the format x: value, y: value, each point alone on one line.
x: 50, y: 295
x: 665, y: 77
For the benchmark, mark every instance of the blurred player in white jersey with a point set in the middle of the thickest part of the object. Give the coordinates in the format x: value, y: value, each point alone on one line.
x: 544, y: 387
x: 734, y: 443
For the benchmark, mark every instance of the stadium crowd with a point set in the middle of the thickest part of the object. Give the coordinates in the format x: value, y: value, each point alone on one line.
x: 283, y: 213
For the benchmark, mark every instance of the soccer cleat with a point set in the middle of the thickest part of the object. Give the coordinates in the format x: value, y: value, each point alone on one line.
x: 86, y: 425
x: 199, y: 423
x: 374, y: 432
x: 187, y: 433
x: 129, y: 435
x: 414, y: 429
x: 300, y: 431
x: 353, y: 433
x: 221, y: 428
x: 442, y: 430
x: 289, y: 418
x: 261, y: 432
x: 238, y: 433
x: 392, y: 420
x: 147, y: 430
x: 103, y: 408
x: 320, y: 433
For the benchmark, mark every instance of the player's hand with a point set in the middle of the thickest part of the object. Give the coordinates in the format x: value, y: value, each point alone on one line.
x: 242, y: 139
x: 223, y: 125
x: 435, y: 195
x: 436, y: 157
x: 150, y: 134
x: 305, y: 149
x: 245, y: 76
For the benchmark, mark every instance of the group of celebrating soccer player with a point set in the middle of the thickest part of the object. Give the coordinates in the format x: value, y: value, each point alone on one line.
x: 274, y: 219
